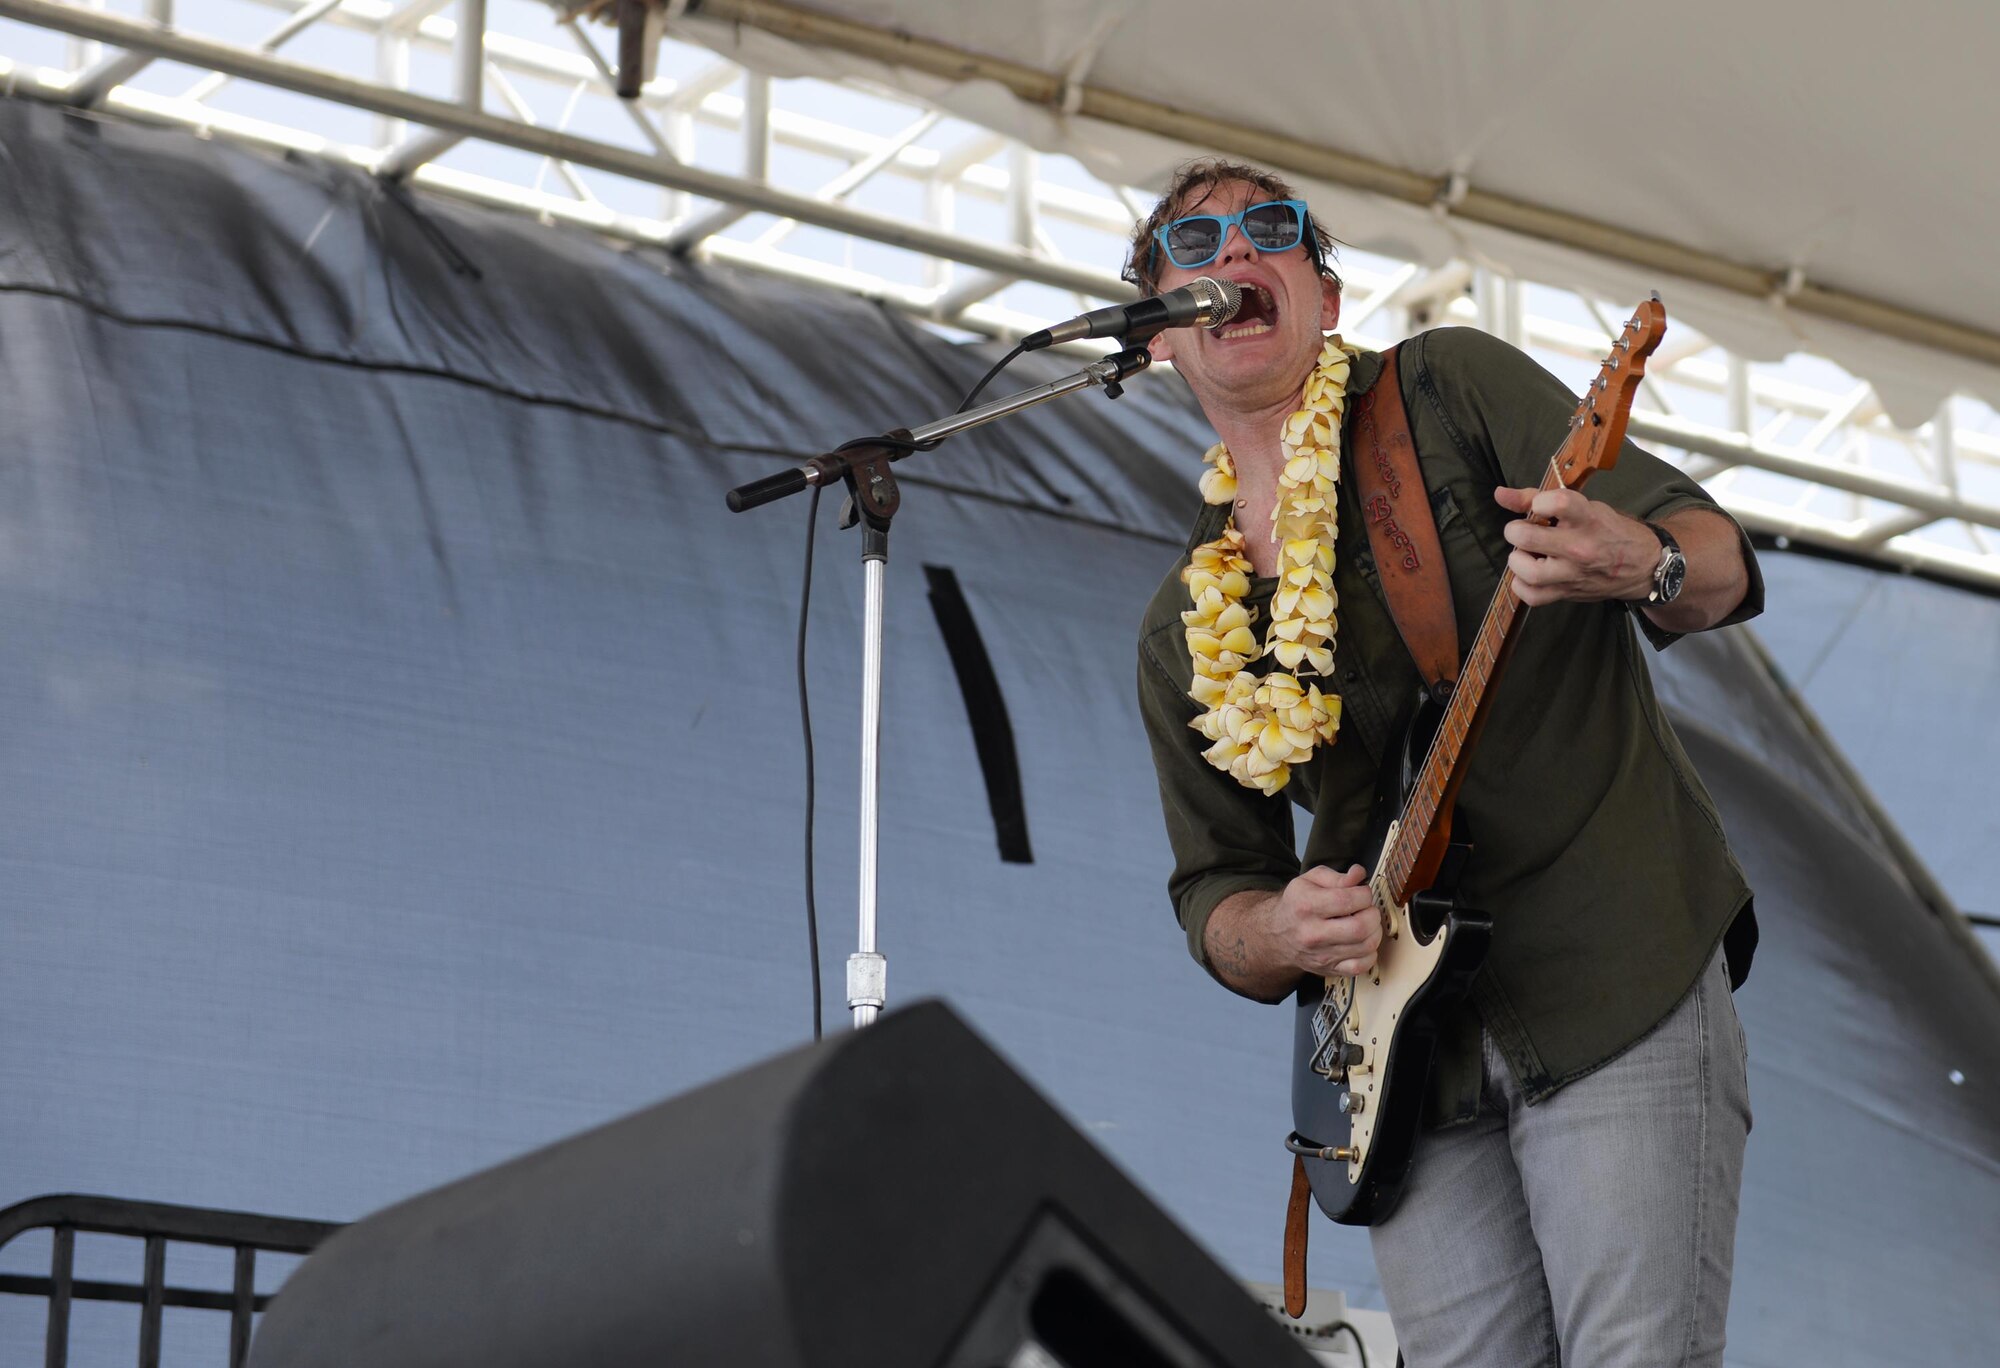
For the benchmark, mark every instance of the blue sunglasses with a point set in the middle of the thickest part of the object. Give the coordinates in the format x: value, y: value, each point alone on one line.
x: 1196, y: 239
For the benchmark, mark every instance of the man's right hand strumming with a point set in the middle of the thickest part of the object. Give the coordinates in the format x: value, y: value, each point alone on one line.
x: 1260, y: 943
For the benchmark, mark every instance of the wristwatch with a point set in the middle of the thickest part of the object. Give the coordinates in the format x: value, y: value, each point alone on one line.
x: 1671, y: 572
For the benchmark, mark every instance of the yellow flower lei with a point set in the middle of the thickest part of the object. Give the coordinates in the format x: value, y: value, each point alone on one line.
x: 1262, y: 727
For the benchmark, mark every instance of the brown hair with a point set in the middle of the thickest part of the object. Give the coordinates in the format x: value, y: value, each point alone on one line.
x: 1190, y: 184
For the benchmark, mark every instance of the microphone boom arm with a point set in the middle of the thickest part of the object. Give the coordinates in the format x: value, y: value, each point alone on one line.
x: 834, y: 466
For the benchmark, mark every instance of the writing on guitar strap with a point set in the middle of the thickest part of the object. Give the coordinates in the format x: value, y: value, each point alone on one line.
x: 1382, y: 515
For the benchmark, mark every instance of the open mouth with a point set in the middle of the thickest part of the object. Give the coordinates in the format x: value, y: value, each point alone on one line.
x: 1259, y: 312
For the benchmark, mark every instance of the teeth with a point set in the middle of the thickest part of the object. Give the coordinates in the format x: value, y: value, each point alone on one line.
x: 1244, y: 330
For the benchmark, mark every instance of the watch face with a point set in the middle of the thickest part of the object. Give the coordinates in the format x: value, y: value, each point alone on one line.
x: 1672, y: 571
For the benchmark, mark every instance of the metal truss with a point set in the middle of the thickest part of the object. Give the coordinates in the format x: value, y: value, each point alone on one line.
x: 868, y: 190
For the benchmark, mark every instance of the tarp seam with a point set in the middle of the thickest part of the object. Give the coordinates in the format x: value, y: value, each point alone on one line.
x: 692, y: 435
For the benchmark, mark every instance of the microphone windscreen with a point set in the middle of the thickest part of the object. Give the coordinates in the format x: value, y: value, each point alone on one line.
x: 1222, y: 298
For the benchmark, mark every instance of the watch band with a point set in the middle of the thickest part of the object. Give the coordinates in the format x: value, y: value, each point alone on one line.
x: 1671, y: 569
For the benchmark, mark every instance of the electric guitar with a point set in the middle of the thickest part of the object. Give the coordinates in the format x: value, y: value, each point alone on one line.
x: 1363, y: 1046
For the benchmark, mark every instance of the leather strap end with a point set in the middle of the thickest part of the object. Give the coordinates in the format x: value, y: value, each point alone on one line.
x: 1296, y: 1212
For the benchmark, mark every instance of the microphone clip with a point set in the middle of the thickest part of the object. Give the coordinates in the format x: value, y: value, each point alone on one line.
x: 1123, y: 365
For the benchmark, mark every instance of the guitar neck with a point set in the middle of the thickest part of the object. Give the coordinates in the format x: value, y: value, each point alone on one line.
x: 1425, y: 825
x: 1596, y: 430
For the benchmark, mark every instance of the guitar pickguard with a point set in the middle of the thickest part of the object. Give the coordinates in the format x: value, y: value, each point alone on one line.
x: 1363, y: 1046
x: 1357, y: 1015
x: 1356, y: 1104
x: 1378, y: 1000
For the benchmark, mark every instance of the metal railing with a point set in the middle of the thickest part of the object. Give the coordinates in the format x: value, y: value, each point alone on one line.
x: 156, y: 1223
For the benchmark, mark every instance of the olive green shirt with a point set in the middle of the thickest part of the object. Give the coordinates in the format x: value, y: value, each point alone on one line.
x: 1596, y: 851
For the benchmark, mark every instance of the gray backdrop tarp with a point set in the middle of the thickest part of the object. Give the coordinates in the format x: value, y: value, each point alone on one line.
x: 1906, y: 675
x: 401, y: 764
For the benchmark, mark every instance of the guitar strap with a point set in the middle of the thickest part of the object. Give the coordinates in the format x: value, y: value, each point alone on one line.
x: 1296, y: 1212
x: 1396, y: 506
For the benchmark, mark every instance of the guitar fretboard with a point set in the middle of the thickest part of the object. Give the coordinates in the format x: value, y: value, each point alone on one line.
x: 1596, y: 430
x: 1439, y: 778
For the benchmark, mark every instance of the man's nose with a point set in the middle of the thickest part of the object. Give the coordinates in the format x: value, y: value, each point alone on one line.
x: 1236, y: 245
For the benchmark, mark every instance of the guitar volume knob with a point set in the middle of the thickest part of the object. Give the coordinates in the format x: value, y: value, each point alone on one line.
x: 1352, y: 1103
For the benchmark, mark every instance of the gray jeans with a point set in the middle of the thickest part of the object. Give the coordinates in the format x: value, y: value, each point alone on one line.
x: 1592, y: 1230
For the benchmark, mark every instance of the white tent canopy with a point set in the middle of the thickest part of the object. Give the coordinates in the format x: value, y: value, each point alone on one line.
x: 1797, y: 200
x: 1792, y: 178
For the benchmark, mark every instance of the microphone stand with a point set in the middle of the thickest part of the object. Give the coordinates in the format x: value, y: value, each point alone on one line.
x: 873, y: 498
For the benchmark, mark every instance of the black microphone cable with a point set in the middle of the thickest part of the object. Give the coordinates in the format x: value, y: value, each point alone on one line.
x: 987, y: 378
x: 806, y: 722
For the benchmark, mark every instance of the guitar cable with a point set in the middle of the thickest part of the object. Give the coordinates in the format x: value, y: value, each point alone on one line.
x: 1306, y: 1146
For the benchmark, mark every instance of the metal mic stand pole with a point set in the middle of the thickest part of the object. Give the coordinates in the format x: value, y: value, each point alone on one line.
x: 873, y: 498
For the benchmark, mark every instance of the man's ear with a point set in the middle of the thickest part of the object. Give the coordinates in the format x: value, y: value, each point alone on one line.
x: 1159, y: 348
x: 1329, y: 305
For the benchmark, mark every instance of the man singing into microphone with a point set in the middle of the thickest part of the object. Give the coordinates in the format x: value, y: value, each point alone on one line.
x: 1573, y: 1194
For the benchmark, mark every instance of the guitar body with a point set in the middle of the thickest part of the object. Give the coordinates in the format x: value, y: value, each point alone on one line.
x: 1393, y: 1017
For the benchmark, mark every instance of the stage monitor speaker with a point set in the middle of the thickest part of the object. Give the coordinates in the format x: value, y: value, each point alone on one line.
x: 896, y: 1197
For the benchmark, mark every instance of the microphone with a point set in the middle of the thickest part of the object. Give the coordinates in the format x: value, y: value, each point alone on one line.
x: 1201, y: 303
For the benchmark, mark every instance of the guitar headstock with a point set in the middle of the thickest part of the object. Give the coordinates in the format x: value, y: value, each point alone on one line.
x: 1597, y: 428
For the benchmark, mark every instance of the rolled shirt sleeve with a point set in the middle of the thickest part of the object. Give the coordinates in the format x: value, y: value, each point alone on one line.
x: 1512, y: 412
x: 1226, y: 838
